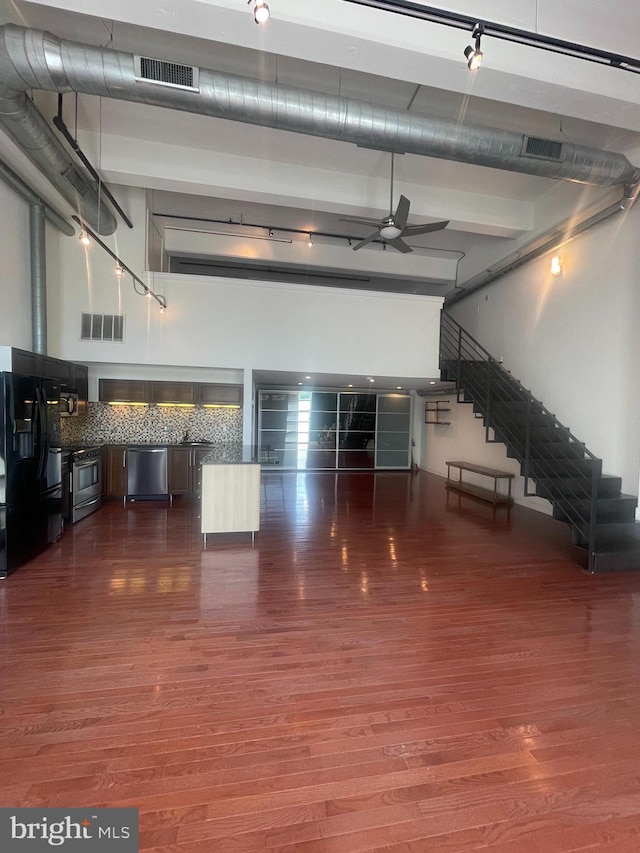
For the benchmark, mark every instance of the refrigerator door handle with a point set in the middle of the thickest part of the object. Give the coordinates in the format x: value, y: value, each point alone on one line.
x: 37, y: 432
x: 42, y: 437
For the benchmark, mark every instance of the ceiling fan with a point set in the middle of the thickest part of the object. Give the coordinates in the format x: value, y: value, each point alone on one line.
x: 394, y: 226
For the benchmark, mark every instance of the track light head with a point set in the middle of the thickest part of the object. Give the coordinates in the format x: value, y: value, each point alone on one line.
x: 260, y: 11
x: 84, y: 238
x: 473, y: 53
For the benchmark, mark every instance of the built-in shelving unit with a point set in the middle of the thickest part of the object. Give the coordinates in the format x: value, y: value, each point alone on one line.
x: 433, y: 412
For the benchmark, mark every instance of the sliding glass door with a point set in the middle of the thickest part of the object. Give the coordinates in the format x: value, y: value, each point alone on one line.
x: 325, y: 430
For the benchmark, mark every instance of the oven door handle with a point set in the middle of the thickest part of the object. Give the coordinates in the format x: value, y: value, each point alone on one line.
x: 86, y: 464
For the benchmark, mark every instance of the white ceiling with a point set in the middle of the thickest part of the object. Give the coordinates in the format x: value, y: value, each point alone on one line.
x: 211, y: 169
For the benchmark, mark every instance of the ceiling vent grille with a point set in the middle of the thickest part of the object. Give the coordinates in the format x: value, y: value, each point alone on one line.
x: 166, y: 73
x: 102, y: 327
x: 543, y: 149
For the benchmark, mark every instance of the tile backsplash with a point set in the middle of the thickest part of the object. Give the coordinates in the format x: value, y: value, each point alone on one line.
x: 104, y: 424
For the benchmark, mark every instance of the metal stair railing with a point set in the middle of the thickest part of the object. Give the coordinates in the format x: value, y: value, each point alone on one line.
x: 499, y: 396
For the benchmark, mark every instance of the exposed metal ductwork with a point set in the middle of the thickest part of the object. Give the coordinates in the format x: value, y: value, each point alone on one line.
x: 38, y: 278
x: 16, y: 183
x: 33, y: 134
x: 32, y: 59
x: 549, y: 240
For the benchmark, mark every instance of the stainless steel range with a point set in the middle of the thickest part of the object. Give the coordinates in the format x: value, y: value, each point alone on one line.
x: 86, y: 481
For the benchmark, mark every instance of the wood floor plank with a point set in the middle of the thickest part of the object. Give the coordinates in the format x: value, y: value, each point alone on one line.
x: 382, y: 670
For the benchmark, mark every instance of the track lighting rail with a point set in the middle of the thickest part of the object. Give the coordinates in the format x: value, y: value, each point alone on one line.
x: 138, y: 285
x: 500, y: 31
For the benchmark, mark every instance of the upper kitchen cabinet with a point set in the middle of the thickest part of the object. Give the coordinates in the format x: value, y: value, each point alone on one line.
x: 26, y: 363
x: 172, y: 393
x: 210, y: 394
x: 167, y: 393
x: 55, y: 368
x: 75, y: 376
x: 80, y: 381
x: 123, y: 391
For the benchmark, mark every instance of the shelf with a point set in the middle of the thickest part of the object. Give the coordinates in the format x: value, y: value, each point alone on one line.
x: 479, y: 492
x: 436, y: 408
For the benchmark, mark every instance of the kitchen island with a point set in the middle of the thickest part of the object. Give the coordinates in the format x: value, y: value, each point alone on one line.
x: 230, y: 493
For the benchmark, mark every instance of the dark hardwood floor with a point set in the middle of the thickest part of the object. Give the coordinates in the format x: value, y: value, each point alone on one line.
x: 386, y: 669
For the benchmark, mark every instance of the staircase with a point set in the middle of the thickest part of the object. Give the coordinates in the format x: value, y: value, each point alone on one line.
x: 554, y: 464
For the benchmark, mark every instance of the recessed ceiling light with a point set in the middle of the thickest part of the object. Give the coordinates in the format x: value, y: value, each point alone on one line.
x: 432, y: 382
x: 371, y: 380
x: 349, y: 386
x: 398, y: 387
x: 307, y: 377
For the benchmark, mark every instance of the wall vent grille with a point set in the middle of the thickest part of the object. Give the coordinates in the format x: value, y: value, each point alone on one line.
x: 543, y: 149
x: 102, y: 327
x: 166, y: 73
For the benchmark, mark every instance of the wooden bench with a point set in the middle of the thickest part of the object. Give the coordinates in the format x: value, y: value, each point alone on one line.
x: 493, y: 496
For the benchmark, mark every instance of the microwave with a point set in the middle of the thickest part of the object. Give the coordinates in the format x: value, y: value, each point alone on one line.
x: 68, y: 403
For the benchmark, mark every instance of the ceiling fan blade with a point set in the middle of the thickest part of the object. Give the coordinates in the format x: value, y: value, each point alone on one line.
x: 366, y: 240
x: 402, y: 212
x: 400, y: 245
x: 424, y: 229
x: 360, y: 220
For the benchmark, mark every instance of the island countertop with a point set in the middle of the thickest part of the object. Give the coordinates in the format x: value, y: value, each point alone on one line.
x: 234, y: 455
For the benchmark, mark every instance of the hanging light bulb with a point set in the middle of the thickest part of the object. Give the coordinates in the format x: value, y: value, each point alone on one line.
x: 260, y: 11
x: 84, y: 238
x: 556, y: 266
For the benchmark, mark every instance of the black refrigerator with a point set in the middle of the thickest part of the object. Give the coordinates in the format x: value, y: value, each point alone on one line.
x: 30, y: 468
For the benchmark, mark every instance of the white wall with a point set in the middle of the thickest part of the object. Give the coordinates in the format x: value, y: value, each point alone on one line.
x: 224, y: 323
x: 573, y: 341
x: 463, y: 439
x: 15, y: 284
x: 231, y: 324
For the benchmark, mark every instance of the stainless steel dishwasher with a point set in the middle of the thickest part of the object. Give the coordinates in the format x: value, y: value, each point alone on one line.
x: 147, y: 473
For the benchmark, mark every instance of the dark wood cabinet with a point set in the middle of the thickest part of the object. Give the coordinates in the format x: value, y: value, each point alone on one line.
x: 179, y: 470
x: 198, y: 455
x: 68, y: 373
x: 185, y: 467
x: 211, y: 394
x: 156, y: 393
x: 114, y: 467
x: 80, y: 381
x: 26, y: 363
x: 180, y: 393
x: 56, y: 368
x: 123, y: 391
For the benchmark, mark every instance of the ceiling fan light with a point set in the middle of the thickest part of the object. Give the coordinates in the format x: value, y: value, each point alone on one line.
x: 390, y: 232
